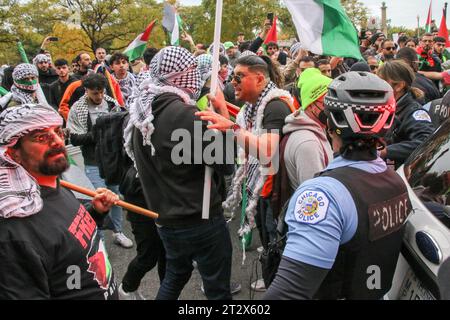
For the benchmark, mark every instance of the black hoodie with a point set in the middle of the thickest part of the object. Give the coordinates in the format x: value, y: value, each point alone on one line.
x: 175, y: 191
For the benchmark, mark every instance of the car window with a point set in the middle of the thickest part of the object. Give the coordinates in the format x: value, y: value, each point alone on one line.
x: 428, y: 173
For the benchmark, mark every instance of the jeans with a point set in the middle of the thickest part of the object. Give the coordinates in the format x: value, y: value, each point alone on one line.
x: 113, y: 220
x: 209, y: 244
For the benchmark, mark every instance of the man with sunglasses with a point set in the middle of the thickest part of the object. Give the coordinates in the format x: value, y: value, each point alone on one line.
x: 373, y: 64
x: 258, y: 131
x: 388, y: 50
x: 49, y: 240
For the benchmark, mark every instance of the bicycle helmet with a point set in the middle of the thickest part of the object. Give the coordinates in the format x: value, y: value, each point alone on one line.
x: 359, y: 105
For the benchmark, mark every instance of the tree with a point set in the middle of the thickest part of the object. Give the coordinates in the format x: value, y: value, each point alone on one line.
x: 356, y: 11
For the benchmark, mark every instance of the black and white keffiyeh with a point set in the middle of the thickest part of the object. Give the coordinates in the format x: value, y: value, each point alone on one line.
x: 41, y: 58
x: 126, y: 86
x: 251, y: 118
x: 19, y: 191
x: 174, y: 70
x: 77, y: 121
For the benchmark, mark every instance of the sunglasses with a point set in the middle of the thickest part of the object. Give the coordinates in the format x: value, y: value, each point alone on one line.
x: 390, y: 48
x: 238, y: 77
x: 373, y: 66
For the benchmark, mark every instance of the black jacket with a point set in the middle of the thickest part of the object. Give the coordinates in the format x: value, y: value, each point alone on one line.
x: 412, y: 125
x: 427, y: 86
x: 57, y: 90
x: 87, y: 141
x: 45, y: 79
x: 173, y: 187
x: 111, y: 158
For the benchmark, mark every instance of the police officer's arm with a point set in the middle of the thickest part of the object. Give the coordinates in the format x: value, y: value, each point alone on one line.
x: 321, y: 216
x: 416, y: 127
x: 295, y: 280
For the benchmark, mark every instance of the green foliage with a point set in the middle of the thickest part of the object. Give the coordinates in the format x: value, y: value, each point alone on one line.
x: 113, y: 24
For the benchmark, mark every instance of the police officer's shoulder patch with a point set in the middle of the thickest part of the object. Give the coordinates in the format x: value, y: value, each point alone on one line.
x: 311, y: 207
x: 421, y: 115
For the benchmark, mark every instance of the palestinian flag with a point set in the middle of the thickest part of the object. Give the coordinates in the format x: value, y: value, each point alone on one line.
x: 324, y: 28
x: 272, y: 35
x: 428, y: 24
x: 443, y: 31
x: 136, y: 48
x: 172, y: 23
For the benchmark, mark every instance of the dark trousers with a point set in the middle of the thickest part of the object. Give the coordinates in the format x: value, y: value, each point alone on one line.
x: 149, y: 250
x: 265, y: 222
x: 208, y: 244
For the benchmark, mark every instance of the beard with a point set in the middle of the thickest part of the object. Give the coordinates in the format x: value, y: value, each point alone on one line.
x: 55, y: 167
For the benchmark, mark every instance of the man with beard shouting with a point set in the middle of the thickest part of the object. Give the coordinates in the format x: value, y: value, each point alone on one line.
x: 49, y: 242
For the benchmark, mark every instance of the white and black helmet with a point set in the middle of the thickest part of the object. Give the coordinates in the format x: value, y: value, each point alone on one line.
x: 360, y: 105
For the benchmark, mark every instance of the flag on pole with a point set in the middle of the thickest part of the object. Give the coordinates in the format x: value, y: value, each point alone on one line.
x: 324, y: 28
x: 272, y: 34
x: 428, y: 23
x: 443, y: 31
x: 136, y: 48
x: 172, y: 23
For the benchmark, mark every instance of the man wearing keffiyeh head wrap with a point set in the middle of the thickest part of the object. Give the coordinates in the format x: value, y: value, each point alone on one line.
x: 23, y: 90
x: 32, y: 155
x: 47, y: 74
x: 258, y: 130
x: 164, y: 109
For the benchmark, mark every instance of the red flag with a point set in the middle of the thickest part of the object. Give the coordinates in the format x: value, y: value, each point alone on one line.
x: 443, y: 31
x: 428, y: 24
x: 272, y: 35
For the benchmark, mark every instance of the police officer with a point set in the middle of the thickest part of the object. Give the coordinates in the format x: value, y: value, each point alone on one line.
x: 342, y: 243
x: 439, y: 109
x: 412, y: 124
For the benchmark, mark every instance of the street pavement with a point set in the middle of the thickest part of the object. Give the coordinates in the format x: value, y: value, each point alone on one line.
x: 241, y: 273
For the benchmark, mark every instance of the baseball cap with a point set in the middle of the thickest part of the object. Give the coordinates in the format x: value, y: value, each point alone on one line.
x: 228, y: 45
x: 313, y: 84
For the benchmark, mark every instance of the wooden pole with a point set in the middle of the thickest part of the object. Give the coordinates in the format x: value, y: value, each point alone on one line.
x: 120, y: 203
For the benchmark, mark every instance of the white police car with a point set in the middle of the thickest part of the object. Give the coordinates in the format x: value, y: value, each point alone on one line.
x: 423, y: 269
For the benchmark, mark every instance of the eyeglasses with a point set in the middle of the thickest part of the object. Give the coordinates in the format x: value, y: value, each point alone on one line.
x: 390, y: 48
x: 440, y: 44
x: 47, y: 137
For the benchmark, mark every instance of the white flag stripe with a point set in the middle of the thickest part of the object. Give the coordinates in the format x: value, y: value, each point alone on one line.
x: 308, y: 18
x: 175, y: 33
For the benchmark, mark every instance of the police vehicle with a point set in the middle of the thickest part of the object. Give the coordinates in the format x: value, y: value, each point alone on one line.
x: 423, y: 268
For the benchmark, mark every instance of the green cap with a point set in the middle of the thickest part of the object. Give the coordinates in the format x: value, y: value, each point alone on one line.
x: 312, y: 85
x: 228, y: 45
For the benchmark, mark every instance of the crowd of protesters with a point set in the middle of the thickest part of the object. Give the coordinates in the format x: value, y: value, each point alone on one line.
x: 123, y: 115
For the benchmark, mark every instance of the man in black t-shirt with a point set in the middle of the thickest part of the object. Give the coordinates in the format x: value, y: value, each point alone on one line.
x: 258, y: 131
x: 50, y: 247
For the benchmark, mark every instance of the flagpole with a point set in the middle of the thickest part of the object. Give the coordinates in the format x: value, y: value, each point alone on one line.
x: 214, y: 83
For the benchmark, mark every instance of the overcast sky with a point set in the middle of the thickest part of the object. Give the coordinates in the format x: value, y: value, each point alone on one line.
x: 401, y: 12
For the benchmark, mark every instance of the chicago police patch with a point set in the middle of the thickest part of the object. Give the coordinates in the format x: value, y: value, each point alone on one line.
x: 311, y: 207
x: 421, y: 115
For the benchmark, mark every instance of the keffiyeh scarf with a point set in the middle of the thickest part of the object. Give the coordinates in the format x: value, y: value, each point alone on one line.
x: 251, y: 118
x: 19, y: 191
x: 174, y: 70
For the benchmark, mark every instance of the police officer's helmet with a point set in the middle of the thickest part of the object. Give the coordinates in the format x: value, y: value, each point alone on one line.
x: 359, y: 105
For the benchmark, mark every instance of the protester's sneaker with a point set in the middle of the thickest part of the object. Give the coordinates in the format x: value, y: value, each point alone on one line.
x: 260, y: 249
x: 135, y: 295
x: 121, y: 240
x: 258, y: 286
x: 234, y: 288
